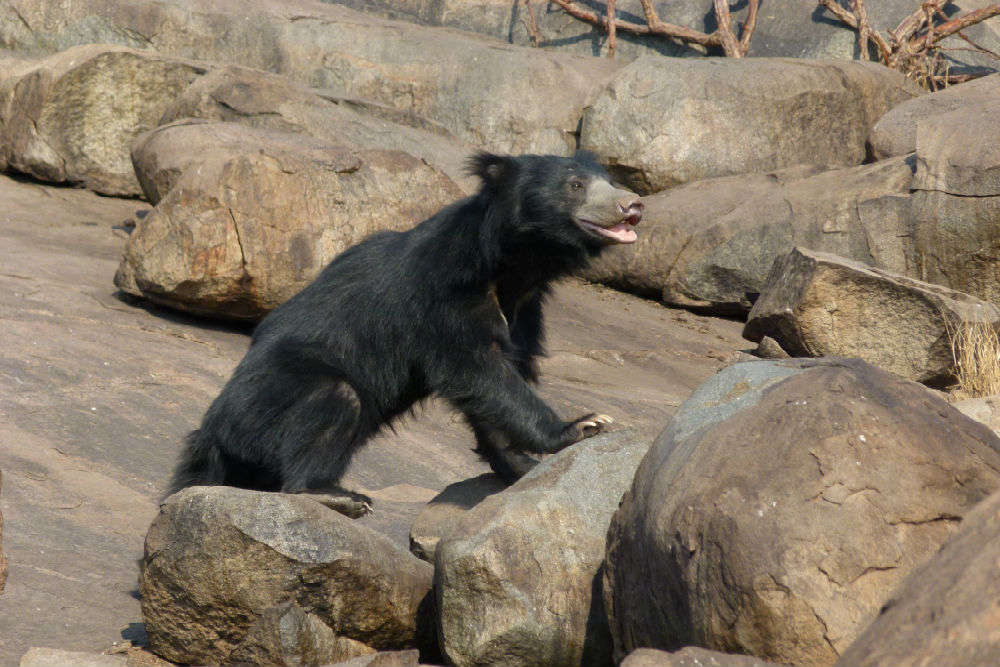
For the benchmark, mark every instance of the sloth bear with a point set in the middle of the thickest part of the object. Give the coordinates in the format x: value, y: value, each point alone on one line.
x: 452, y: 307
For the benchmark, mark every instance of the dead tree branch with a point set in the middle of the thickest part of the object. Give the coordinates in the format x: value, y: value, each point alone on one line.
x: 724, y: 37
x: 914, y: 46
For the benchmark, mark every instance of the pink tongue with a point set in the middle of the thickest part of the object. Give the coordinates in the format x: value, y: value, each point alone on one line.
x: 622, y: 232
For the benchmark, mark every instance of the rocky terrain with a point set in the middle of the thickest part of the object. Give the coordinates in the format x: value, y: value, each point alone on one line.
x: 799, y: 351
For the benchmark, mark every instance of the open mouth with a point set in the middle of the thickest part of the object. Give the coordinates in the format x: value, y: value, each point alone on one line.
x: 622, y: 232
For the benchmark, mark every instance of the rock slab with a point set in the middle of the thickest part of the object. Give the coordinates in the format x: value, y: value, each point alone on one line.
x: 821, y: 305
x: 218, y: 559
x: 517, y: 580
x: 783, y: 505
x: 665, y: 121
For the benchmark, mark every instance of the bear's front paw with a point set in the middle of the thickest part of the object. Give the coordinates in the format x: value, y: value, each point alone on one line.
x: 587, y: 426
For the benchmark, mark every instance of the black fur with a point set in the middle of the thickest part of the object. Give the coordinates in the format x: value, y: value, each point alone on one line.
x: 452, y: 307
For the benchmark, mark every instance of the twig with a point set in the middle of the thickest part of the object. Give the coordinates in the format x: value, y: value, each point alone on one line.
x: 612, y: 29
x: 725, y: 20
x: 724, y: 37
x: 532, y: 25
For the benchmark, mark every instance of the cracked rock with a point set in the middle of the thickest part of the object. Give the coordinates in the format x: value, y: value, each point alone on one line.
x: 782, y: 506
x: 945, y: 612
x: 955, y: 207
x: 247, y: 217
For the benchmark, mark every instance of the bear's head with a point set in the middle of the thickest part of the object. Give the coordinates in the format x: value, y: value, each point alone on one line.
x: 567, y: 201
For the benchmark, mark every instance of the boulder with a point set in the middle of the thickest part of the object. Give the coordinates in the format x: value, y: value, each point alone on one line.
x: 819, y: 305
x: 955, y: 207
x: 711, y: 244
x: 384, y: 659
x: 442, y: 513
x: 945, y: 611
x: 264, y: 100
x: 784, y: 503
x: 250, y: 216
x: 690, y: 656
x: 494, y: 96
x: 219, y: 560
x: 895, y: 133
x: 661, y: 121
x: 517, y: 579
x: 72, y: 116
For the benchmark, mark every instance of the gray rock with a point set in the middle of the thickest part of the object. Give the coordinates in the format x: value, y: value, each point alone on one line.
x: 218, y: 558
x: 269, y: 101
x: 463, y: 82
x: 711, y: 244
x: 517, y: 579
x: 955, y: 207
x: 895, y: 133
x: 782, y: 506
x: 661, y: 122
x: 821, y: 305
x: 71, y: 117
x: 944, y: 613
x: 252, y: 216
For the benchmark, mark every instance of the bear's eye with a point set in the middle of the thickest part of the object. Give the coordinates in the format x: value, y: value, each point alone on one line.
x: 576, y: 185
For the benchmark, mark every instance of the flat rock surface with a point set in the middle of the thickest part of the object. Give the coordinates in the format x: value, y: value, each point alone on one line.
x: 96, y: 395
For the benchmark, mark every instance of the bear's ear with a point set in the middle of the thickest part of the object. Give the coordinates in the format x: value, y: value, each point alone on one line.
x: 492, y: 169
x: 587, y: 156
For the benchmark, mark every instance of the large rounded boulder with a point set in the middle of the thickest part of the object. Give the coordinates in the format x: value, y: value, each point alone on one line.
x: 784, y: 504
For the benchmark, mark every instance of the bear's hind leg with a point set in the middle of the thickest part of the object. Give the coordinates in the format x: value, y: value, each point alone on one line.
x: 320, y: 434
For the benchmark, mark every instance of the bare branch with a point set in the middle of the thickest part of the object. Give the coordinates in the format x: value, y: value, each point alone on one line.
x: 532, y: 25
x: 847, y: 18
x: 612, y: 29
x: 951, y: 27
x: 749, y: 26
x: 730, y: 45
x: 654, y: 27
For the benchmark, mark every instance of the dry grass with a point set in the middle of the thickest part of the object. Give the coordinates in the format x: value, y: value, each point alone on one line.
x: 975, y: 347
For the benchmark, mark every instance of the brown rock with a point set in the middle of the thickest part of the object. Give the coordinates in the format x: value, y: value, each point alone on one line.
x: 409, y: 658
x: 661, y: 122
x: 515, y: 579
x: 263, y: 100
x: 829, y: 481
x: 711, y: 244
x: 72, y: 117
x: 218, y: 558
x: 820, y: 305
x: 985, y: 410
x: 252, y: 216
x: 441, y: 514
x: 896, y: 132
x: 690, y: 656
x: 945, y: 611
